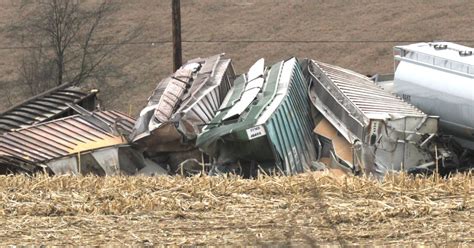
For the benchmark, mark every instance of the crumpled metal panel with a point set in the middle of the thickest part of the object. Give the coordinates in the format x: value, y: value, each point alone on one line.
x: 182, y: 103
x: 354, y: 98
x: 172, y: 94
x: 67, y: 165
x: 52, y: 104
x: 107, y: 161
x: 207, y: 92
x: 275, y: 129
x: 385, y: 132
x: 253, y: 86
x: 63, y: 137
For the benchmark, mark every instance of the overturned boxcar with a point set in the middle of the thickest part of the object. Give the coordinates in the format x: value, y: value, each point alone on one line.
x: 384, y: 132
x: 179, y: 107
x: 264, y: 122
x: 88, y: 143
x: 182, y: 103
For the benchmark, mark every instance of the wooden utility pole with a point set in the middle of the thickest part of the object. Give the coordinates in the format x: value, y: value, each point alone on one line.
x: 176, y: 15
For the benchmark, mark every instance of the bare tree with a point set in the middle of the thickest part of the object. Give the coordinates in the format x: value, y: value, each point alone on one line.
x: 8, y: 97
x: 36, y: 71
x: 68, y: 34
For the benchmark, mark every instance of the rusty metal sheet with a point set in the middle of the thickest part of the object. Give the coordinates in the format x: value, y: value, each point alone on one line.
x: 87, y: 143
x: 52, y: 104
x: 59, y: 138
x: 173, y: 91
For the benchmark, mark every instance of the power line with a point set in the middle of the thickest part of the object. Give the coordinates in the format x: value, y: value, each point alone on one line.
x: 243, y: 41
x: 316, y: 41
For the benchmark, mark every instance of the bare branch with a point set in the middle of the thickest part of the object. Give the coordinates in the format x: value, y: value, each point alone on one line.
x: 70, y: 34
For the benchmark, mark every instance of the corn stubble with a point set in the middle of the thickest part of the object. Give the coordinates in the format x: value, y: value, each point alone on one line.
x: 310, y: 208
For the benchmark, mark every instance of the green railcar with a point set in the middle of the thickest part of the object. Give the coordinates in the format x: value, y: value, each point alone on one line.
x: 265, y: 121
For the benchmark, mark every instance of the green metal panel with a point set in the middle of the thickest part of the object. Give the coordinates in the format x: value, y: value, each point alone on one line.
x: 276, y: 128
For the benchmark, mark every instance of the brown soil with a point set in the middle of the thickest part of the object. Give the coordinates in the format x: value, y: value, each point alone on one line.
x: 271, y: 20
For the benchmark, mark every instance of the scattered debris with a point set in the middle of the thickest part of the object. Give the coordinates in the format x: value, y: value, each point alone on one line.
x: 93, y: 142
x: 383, y: 132
x: 198, y: 120
x: 264, y: 122
x: 50, y: 105
x: 335, y: 152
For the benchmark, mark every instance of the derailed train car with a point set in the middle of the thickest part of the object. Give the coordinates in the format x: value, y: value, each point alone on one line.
x: 179, y: 107
x: 264, y: 122
x: 384, y: 132
x: 438, y: 78
x: 291, y: 117
x: 87, y: 143
x: 182, y: 103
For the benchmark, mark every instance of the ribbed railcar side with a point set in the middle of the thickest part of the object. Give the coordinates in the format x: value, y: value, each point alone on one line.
x: 204, y: 104
x: 211, y: 100
x: 290, y: 127
x: 275, y: 129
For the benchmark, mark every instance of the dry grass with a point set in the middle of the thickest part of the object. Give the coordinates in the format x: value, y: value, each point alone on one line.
x: 305, y: 209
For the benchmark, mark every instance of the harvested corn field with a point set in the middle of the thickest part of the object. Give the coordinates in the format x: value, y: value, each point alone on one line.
x: 310, y: 208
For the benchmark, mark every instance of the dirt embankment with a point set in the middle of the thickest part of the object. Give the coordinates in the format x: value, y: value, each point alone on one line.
x: 379, y: 22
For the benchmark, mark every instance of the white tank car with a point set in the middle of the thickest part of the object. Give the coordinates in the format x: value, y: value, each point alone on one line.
x: 438, y: 78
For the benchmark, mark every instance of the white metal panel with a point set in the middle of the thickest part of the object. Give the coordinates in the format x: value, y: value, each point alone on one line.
x: 282, y: 89
x: 426, y: 51
x: 253, y: 87
x: 438, y: 92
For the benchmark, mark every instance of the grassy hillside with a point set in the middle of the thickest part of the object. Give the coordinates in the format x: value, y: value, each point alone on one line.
x: 256, y: 20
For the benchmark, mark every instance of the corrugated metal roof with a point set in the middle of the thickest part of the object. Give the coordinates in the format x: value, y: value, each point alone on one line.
x: 62, y: 137
x: 46, y: 106
x: 354, y: 98
x: 364, y: 94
